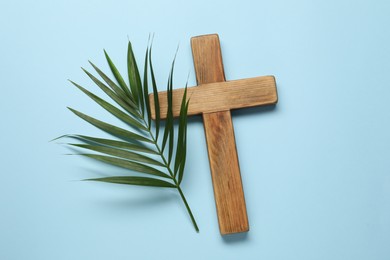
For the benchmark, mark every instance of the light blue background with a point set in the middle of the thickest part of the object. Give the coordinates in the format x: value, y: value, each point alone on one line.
x: 315, y: 168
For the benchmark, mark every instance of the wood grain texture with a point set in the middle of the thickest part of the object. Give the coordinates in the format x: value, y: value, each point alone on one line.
x: 225, y: 173
x: 220, y: 96
x: 228, y: 191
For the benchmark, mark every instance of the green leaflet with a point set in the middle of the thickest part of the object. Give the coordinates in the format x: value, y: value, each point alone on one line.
x: 120, y: 153
x: 112, y: 109
x: 146, y: 90
x: 119, y: 92
x: 111, y: 129
x: 181, y: 140
x: 169, y: 129
x: 134, y: 78
x: 118, y: 76
x: 117, y: 95
x: 138, y: 167
x: 111, y: 83
x: 155, y: 94
x: 143, y: 153
x: 184, y: 144
x: 134, y: 180
x: 113, y: 143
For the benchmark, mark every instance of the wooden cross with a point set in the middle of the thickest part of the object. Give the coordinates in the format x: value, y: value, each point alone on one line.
x: 214, y: 97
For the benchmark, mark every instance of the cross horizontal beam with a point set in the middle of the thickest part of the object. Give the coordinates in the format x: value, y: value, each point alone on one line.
x: 220, y: 96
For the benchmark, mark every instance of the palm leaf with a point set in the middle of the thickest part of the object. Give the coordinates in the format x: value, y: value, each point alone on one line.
x: 144, y: 152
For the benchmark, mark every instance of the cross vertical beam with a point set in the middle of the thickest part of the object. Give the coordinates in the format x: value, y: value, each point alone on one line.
x: 225, y: 171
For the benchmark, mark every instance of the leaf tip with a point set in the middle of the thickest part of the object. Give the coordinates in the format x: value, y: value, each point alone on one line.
x: 71, y: 109
x: 60, y: 137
